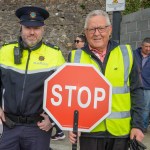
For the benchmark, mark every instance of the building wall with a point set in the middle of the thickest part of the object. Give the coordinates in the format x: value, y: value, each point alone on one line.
x: 135, y: 27
x: 66, y: 19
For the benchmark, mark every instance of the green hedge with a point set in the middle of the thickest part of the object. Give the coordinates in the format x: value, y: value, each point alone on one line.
x: 135, y: 5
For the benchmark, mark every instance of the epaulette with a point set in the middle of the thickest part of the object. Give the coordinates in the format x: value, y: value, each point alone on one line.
x: 7, y: 43
x: 52, y: 45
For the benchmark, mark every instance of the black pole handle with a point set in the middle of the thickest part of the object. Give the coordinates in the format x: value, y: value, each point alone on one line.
x: 75, y: 128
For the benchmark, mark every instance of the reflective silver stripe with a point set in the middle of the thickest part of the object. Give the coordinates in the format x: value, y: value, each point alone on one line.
x: 120, y: 90
x: 119, y: 115
x: 126, y: 62
x: 125, y: 88
x: 77, y: 56
x: 29, y: 72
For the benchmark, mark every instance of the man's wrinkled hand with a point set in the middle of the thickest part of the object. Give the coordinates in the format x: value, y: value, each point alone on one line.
x: 136, y: 133
x: 73, y: 137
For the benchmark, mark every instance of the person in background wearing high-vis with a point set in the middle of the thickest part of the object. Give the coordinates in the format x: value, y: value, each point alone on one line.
x: 24, y: 66
x: 117, y: 64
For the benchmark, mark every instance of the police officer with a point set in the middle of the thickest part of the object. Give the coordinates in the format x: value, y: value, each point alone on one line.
x: 24, y: 66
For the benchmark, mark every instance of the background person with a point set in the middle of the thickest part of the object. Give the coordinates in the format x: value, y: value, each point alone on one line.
x: 24, y: 66
x: 118, y: 66
x: 142, y: 55
x: 80, y: 41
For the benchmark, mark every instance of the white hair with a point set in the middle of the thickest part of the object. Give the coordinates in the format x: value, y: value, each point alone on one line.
x: 97, y: 13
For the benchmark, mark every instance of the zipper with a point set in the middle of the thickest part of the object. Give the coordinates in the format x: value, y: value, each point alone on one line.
x: 99, y: 65
x: 24, y: 82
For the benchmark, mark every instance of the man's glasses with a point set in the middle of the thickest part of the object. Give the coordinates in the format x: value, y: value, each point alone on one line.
x: 100, y: 29
x: 77, y: 41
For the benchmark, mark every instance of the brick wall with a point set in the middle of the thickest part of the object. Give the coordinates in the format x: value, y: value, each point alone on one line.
x: 135, y: 27
x: 66, y: 19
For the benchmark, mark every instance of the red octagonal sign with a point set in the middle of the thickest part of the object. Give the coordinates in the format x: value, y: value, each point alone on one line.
x: 77, y: 87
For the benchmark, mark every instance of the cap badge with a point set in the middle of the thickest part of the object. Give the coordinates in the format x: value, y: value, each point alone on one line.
x: 32, y: 14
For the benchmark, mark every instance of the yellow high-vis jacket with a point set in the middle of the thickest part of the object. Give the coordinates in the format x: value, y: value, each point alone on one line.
x: 22, y: 84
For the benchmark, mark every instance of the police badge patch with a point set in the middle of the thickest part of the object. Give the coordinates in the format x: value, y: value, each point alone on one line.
x: 41, y: 58
x: 32, y: 15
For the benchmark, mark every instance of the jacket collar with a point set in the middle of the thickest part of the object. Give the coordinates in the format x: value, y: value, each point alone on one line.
x: 111, y: 45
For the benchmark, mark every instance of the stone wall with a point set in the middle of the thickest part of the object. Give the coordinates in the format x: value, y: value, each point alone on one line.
x: 135, y: 27
x: 66, y: 19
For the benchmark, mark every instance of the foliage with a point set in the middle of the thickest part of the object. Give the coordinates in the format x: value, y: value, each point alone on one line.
x: 145, y: 3
x: 135, y: 5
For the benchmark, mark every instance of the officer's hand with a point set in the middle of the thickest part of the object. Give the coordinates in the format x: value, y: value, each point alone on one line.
x: 137, y: 133
x: 45, y: 124
x: 2, y: 115
x: 72, y: 137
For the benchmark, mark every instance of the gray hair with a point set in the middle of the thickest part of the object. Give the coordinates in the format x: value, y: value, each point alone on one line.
x: 146, y: 40
x: 97, y: 13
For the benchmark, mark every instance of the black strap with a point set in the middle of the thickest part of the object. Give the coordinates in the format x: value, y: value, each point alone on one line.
x: 136, y: 145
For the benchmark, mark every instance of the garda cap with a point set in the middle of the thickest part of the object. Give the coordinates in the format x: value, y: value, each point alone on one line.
x: 32, y: 16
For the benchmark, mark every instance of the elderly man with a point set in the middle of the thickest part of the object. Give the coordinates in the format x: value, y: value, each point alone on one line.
x: 24, y: 66
x: 117, y: 64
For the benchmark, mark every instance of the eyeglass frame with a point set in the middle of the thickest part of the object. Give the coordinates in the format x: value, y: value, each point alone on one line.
x: 100, y: 29
x: 77, y: 41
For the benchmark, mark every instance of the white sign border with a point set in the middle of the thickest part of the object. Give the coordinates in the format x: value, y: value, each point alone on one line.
x: 111, y: 6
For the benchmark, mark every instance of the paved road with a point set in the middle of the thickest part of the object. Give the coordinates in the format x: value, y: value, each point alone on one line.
x: 65, y: 144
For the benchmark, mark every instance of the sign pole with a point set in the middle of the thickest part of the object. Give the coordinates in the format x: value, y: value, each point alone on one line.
x: 116, y: 26
x: 75, y: 128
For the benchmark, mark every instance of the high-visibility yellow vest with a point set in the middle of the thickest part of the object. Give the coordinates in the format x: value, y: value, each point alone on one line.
x: 44, y: 57
x: 117, y: 72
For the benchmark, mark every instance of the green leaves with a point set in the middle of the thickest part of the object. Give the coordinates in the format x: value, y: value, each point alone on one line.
x: 135, y: 5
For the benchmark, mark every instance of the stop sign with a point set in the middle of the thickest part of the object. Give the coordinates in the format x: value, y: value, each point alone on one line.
x: 77, y: 87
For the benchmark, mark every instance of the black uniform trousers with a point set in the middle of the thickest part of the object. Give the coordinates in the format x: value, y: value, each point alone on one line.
x: 25, y: 137
x: 89, y: 143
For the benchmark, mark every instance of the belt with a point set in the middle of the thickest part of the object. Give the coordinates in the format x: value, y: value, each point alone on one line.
x: 24, y: 119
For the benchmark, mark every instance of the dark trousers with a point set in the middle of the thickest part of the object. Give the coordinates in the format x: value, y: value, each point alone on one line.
x: 25, y: 138
x: 87, y: 143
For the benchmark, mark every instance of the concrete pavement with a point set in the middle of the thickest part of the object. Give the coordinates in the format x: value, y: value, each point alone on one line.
x: 66, y: 145
x: 61, y: 144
